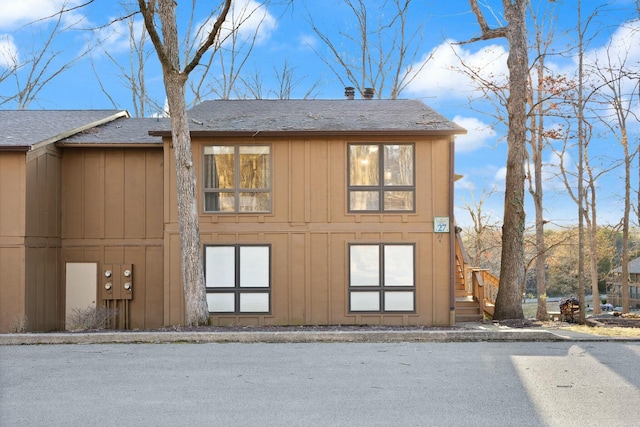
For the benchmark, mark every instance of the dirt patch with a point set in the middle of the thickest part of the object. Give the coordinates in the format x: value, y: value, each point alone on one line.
x: 521, y: 323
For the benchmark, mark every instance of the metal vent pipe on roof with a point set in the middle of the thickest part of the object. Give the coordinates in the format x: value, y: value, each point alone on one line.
x: 368, y: 93
x: 349, y: 92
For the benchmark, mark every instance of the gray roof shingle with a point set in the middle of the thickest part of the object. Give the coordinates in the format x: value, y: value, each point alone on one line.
x: 634, y: 267
x: 127, y: 131
x: 26, y: 128
x: 318, y: 116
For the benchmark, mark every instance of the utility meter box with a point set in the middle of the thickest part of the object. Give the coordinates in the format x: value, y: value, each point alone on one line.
x: 117, y: 282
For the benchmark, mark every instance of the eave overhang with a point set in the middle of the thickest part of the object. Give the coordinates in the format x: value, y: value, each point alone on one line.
x: 314, y: 133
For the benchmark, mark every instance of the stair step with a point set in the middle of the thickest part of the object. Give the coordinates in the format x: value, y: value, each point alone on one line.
x: 467, y: 310
x: 468, y: 317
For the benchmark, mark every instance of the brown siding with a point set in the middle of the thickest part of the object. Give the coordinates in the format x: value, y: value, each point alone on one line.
x: 13, y: 191
x: 309, y: 230
x: 42, y: 261
x: 112, y: 206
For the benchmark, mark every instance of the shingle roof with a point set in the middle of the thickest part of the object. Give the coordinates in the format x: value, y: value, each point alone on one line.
x: 318, y: 116
x: 127, y: 131
x: 26, y: 128
x: 634, y: 267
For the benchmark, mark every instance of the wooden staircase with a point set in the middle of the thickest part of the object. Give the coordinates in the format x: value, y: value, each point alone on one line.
x: 468, y: 310
x: 475, y: 289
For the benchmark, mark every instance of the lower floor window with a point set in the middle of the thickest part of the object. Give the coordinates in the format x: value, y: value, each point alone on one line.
x: 238, y: 278
x: 381, y: 277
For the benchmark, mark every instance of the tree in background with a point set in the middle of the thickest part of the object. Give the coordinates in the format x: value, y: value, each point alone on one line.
x: 220, y: 75
x: 384, y: 48
x: 21, y: 80
x: 619, y: 83
x: 482, y: 239
x: 132, y: 74
x: 544, y: 88
x: 508, y: 301
x: 161, y: 24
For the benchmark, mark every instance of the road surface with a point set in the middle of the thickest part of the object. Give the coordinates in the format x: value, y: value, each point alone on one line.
x: 329, y: 384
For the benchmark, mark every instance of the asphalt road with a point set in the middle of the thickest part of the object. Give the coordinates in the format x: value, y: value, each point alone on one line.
x: 329, y: 384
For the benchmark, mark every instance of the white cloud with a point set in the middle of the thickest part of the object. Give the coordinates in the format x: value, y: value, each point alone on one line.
x: 251, y: 19
x: 16, y: 13
x: 308, y: 41
x: 501, y: 175
x: 116, y: 37
x: 8, y: 51
x: 465, y: 183
x: 449, y: 67
x: 620, y: 54
x: 478, y: 134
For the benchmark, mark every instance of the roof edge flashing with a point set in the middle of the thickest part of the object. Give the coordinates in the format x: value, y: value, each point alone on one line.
x: 120, y: 114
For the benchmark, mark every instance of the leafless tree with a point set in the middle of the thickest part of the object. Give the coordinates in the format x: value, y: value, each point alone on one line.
x: 286, y: 82
x: 508, y: 301
x: 40, y: 67
x: 385, y: 52
x: 620, y: 82
x: 219, y: 74
x: 482, y: 238
x: 543, y: 88
x: 161, y: 24
x: 133, y: 74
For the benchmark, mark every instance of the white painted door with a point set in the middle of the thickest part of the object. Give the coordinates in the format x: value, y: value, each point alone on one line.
x: 81, y: 286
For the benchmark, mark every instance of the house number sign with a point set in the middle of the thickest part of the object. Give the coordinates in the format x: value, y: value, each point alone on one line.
x: 440, y: 224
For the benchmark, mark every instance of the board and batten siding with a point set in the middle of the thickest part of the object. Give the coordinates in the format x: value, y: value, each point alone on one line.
x: 42, y: 254
x: 112, y: 213
x: 310, y: 228
x: 13, y: 194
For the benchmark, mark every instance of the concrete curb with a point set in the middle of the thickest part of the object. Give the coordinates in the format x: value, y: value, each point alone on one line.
x: 296, y: 337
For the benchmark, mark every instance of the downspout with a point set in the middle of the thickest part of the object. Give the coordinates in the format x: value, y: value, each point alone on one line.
x: 452, y: 239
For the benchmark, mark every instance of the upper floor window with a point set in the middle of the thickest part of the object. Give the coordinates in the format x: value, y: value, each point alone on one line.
x: 237, y: 178
x: 381, y: 177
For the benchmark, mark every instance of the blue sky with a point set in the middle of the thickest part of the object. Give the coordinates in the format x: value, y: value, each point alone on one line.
x: 284, y: 34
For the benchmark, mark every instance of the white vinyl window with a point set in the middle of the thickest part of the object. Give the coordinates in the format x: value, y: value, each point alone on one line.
x: 238, y: 278
x: 382, y: 277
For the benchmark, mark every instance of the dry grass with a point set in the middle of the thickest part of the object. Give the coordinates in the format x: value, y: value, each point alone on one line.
x: 611, y: 331
x: 90, y: 318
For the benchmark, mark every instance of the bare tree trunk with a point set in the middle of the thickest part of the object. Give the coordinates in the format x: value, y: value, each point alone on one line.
x: 508, y: 300
x: 196, y: 310
x: 537, y: 145
x: 175, y: 79
x: 625, y: 223
x: 508, y: 304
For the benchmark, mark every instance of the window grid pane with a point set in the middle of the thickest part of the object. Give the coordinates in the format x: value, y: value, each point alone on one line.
x: 238, y: 278
x: 237, y: 178
x: 398, y: 265
x: 398, y: 200
x: 365, y: 265
x: 381, y: 177
x: 398, y: 165
x: 364, y: 168
x: 376, y: 269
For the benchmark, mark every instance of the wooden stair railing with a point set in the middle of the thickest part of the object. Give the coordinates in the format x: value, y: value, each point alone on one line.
x: 475, y: 282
